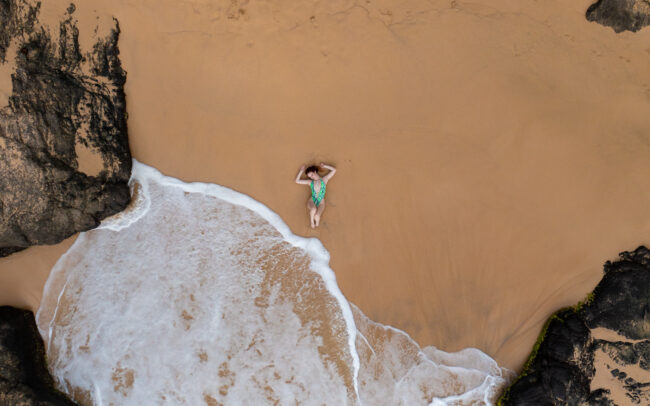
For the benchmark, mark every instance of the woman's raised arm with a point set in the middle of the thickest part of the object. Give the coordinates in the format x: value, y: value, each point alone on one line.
x: 298, y: 180
x: 330, y: 174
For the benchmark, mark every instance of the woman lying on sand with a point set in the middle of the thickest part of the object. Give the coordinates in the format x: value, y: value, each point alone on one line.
x: 316, y: 204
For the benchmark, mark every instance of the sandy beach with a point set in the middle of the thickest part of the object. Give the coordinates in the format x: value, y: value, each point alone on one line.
x: 491, y: 155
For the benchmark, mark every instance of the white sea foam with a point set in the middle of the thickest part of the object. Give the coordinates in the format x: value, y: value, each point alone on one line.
x: 198, y: 294
x: 395, y: 371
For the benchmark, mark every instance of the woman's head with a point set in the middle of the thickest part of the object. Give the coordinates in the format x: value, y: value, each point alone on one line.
x: 312, y: 172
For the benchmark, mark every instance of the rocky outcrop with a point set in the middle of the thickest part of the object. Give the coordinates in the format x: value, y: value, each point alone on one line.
x: 597, y: 352
x: 621, y: 15
x: 24, y: 378
x: 64, y: 153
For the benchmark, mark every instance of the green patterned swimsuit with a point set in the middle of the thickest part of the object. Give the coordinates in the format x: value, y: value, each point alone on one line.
x: 321, y: 192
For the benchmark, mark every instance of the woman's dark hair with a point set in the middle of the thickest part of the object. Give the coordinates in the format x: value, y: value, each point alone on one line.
x: 312, y: 168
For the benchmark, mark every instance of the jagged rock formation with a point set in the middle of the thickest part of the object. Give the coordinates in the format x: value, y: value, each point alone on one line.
x: 621, y: 15
x: 24, y: 378
x: 64, y: 154
x: 598, y: 352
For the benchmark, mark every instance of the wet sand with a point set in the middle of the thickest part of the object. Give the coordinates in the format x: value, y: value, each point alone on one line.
x: 491, y: 155
x: 23, y: 274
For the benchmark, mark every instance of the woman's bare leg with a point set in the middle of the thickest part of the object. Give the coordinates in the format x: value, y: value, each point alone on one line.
x: 312, y: 213
x: 319, y: 212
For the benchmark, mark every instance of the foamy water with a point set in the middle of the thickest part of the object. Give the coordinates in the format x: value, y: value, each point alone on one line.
x: 199, y: 295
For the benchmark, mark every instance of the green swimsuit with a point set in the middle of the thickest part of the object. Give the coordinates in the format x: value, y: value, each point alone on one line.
x: 321, y: 192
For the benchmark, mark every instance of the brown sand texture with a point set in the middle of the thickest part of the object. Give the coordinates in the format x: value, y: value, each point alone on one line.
x: 491, y: 155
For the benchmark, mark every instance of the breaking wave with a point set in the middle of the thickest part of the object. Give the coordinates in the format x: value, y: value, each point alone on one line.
x: 200, y: 295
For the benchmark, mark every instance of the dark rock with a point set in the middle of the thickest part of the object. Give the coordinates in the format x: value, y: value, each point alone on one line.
x: 64, y: 103
x: 24, y: 378
x: 630, y: 292
x: 563, y: 363
x: 621, y: 15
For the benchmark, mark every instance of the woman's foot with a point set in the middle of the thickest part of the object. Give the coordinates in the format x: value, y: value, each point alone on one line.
x: 312, y: 216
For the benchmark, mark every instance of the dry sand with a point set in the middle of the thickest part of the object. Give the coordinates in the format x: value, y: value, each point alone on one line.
x: 491, y: 154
